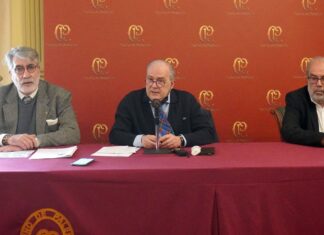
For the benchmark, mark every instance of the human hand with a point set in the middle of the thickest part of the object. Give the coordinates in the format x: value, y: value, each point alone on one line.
x: 10, y: 148
x: 24, y: 141
x: 170, y: 141
x: 149, y: 141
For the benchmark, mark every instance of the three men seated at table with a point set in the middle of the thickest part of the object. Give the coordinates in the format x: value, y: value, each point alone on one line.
x: 35, y: 113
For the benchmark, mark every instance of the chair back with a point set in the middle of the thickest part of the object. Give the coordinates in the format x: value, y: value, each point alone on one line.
x: 279, y: 114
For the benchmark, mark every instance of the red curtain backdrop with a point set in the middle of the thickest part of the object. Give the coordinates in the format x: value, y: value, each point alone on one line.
x: 238, y: 57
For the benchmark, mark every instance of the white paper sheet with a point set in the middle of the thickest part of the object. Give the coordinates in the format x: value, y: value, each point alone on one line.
x: 16, y: 154
x: 116, y: 151
x: 48, y: 153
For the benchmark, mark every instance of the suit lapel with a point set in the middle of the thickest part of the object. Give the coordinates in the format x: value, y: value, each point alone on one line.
x: 41, y: 108
x: 148, y: 114
x: 173, y: 108
x: 10, y: 110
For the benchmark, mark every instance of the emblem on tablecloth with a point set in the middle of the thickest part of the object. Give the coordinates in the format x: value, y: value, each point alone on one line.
x: 47, y: 221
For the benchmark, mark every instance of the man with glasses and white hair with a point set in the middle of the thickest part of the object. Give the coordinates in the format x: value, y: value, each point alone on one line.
x: 185, y: 122
x: 303, y: 122
x: 33, y: 113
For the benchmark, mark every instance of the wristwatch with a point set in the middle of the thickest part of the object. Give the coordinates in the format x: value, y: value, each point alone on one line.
x: 5, y: 139
x: 182, y: 144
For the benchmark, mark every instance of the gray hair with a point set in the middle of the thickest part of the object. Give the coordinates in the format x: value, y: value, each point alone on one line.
x: 21, y: 52
x: 311, y: 62
x: 158, y: 61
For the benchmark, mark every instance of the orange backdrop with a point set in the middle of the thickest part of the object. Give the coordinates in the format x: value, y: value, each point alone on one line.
x: 238, y: 57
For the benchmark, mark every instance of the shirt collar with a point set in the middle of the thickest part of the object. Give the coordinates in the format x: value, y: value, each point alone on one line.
x: 32, y: 95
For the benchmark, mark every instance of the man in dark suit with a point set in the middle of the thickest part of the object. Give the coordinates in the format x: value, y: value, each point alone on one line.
x: 303, y: 122
x: 134, y: 120
x: 34, y: 113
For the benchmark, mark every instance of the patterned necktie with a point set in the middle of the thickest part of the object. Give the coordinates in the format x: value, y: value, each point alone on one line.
x: 27, y: 100
x: 165, y: 127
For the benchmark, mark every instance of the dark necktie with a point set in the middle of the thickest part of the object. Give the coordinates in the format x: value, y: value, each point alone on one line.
x: 27, y: 100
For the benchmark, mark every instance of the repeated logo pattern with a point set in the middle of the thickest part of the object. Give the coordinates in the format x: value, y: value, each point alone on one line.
x: 99, y: 66
x: 274, y: 33
x: 62, y: 32
x: 240, y: 4
x: 309, y: 4
x: 170, y: 4
x: 99, y: 4
x: 205, y: 98
x: 240, y: 65
x: 303, y: 64
x: 135, y: 32
x: 100, y: 131
x: 239, y: 129
x: 273, y: 96
x: 205, y: 33
x: 223, y: 50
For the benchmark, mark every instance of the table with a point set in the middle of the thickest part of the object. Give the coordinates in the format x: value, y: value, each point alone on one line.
x: 245, y: 188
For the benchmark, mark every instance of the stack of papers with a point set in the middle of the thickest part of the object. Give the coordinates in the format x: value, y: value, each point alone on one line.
x: 17, y: 154
x: 116, y: 151
x: 47, y: 153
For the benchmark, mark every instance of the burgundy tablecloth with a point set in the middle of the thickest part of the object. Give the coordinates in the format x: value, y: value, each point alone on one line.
x: 245, y: 188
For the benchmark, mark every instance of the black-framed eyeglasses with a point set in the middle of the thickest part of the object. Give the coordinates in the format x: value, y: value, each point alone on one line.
x: 314, y: 79
x: 20, y: 70
x: 159, y: 82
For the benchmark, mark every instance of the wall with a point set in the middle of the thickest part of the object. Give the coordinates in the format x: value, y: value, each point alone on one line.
x: 239, y: 58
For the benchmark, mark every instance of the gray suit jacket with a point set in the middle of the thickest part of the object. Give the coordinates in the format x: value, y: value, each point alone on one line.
x: 53, y: 103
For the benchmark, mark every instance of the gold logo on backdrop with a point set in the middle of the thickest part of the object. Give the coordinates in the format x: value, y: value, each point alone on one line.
x: 240, y: 4
x: 240, y: 65
x: 99, y: 130
x: 239, y: 129
x: 99, y: 4
x: 303, y: 64
x: 205, y: 98
x: 206, y: 32
x: 308, y: 4
x: 62, y: 32
x: 274, y: 33
x: 273, y: 96
x: 170, y: 4
x: 135, y: 32
x: 99, y: 65
x: 33, y: 224
x: 173, y: 61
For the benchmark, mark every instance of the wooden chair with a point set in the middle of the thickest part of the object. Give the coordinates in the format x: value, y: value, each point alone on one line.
x: 279, y: 113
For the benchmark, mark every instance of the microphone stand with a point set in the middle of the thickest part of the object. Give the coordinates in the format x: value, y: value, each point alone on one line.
x: 156, y: 104
x: 157, y: 125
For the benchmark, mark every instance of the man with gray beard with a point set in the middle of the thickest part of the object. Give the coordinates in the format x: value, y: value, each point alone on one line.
x: 303, y: 122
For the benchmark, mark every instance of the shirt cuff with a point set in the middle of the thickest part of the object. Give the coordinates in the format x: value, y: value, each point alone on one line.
x: 185, y: 141
x: 1, y: 137
x: 138, y: 141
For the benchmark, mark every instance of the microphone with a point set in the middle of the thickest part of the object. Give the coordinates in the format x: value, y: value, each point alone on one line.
x: 156, y: 104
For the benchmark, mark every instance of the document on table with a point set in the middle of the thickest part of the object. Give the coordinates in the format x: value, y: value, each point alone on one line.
x: 48, y: 153
x: 116, y: 151
x: 17, y: 154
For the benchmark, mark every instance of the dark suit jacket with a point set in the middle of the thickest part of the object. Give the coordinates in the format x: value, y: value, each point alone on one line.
x: 53, y: 103
x: 134, y: 116
x: 300, y: 122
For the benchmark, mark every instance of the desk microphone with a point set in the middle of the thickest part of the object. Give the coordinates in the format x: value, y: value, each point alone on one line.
x: 156, y: 105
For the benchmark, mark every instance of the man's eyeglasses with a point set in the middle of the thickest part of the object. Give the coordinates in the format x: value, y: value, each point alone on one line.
x: 20, y: 70
x: 158, y: 82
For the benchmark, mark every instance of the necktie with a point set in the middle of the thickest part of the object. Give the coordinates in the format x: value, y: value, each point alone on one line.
x: 165, y: 126
x: 27, y: 100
